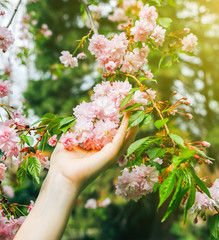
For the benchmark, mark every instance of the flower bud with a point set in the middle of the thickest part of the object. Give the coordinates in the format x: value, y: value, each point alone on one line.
x: 205, y: 144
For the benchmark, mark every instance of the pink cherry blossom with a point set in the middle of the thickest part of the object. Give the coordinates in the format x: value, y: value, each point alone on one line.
x: 148, y: 13
x: 81, y: 55
x: 8, y: 140
x: 9, y: 191
x: 118, y: 16
x: 6, y: 38
x: 142, y: 30
x: 2, y: 171
x: 67, y: 59
x: 110, y: 66
x: 205, y: 144
x: 91, y: 203
x: 158, y: 35
x: 149, y: 74
x: 105, y: 203
x: 30, y: 206
x: 98, y: 43
x: 68, y: 140
x: 158, y: 160
x: 189, y: 42
x: 53, y: 140
x: 5, y: 88
x: 140, y: 97
x: 136, y: 183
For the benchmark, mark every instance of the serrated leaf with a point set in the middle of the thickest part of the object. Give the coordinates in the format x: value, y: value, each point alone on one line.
x: 156, y: 3
x: 28, y: 140
x: 34, y: 168
x: 191, y: 200
x: 135, y: 145
x: 203, y: 154
x: 132, y: 107
x: 126, y: 100
x: 166, y: 188
x: 147, y: 119
x: 171, y: 3
x: 22, y: 171
x: 136, y: 119
x: 159, y: 123
x: 165, y: 22
x: 201, y: 184
x: 155, y: 153
x: 67, y: 120
x: 214, y: 227
x: 54, y: 123
x: 177, y: 198
x: 177, y: 139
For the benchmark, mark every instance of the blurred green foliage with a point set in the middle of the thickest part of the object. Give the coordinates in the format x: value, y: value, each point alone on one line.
x: 195, y: 77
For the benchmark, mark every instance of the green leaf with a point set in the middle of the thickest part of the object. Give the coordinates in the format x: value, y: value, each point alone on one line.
x: 22, y: 171
x: 214, y: 227
x: 65, y: 127
x: 159, y: 123
x: 177, y: 139
x: 166, y: 188
x: 34, y: 168
x: 132, y: 107
x: 147, y: 119
x: 156, y: 3
x: 142, y: 79
x: 191, y: 200
x: 201, y: 184
x: 67, y: 120
x: 136, y: 145
x: 136, y: 118
x: 54, y: 123
x: 177, y: 198
x: 171, y: 3
x: 165, y: 22
x: 203, y: 154
x: 126, y: 100
x: 28, y: 140
x: 155, y: 153
x: 133, y: 90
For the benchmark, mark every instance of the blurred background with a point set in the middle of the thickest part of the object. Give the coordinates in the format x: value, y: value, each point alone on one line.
x: 41, y: 85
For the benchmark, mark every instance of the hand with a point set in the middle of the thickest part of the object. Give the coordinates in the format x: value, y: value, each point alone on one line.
x: 70, y: 172
x: 80, y: 166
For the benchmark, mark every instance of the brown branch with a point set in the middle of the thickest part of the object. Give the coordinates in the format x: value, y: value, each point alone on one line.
x: 15, y: 10
x: 32, y: 128
x: 91, y: 19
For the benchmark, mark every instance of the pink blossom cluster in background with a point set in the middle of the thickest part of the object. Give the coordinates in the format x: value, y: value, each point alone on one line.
x: 93, y: 203
x: 67, y: 58
x: 189, y: 42
x: 6, y: 38
x: 5, y: 88
x: 97, y: 121
x: 136, y: 182
x: 203, y: 202
x: 8, y: 228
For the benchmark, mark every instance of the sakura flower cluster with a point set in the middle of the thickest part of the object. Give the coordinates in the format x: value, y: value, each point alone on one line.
x: 4, y: 88
x: 116, y: 52
x: 203, y: 202
x: 97, y: 121
x: 93, y: 203
x: 68, y: 60
x: 9, y: 227
x: 189, y: 42
x: 137, y: 182
x: 6, y: 38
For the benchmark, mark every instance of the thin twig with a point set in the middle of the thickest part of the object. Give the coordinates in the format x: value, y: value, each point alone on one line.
x: 87, y: 10
x: 5, y: 199
x: 152, y: 101
x: 15, y: 10
x: 31, y: 129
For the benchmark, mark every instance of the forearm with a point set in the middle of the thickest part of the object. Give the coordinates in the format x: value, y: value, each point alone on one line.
x: 49, y: 216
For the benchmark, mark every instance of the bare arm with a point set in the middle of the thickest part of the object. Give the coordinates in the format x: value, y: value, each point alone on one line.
x: 69, y: 174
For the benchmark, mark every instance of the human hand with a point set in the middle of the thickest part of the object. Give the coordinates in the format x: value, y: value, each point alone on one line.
x: 80, y: 166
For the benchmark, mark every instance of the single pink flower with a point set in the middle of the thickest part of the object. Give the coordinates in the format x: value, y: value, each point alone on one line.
x: 53, y: 140
x: 6, y: 38
x: 67, y: 59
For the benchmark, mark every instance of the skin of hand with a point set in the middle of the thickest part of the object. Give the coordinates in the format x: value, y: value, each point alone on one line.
x: 70, y: 172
